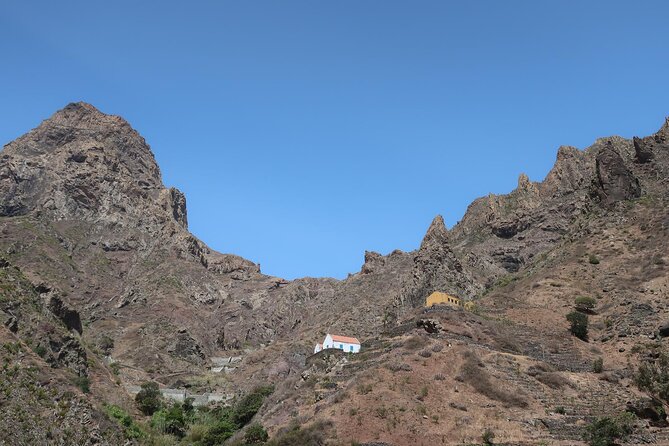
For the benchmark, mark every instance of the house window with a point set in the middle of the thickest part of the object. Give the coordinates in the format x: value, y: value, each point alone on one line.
x: 350, y: 348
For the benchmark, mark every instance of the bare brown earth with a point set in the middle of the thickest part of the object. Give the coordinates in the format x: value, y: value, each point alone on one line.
x: 102, y: 250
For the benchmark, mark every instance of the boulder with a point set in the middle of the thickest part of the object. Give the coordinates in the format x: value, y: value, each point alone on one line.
x: 649, y: 409
x: 429, y: 325
x: 664, y: 330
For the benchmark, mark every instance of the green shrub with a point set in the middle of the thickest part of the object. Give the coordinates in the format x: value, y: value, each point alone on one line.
x: 170, y: 421
x: 364, y: 389
x: 222, y: 430
x: 579, y: 324
x: 158, y: 420
x: 560, y: 410
x: 187, y: 406
x: 488, y: 436
x: 598, y: 365
x: 83, y: 383
x: 504, y: 281
x: 12, y: 348
x: 106, y: 344
x: 248, y: 406
x: 131, y: 429
x: 593, y: 259
x: 605, y: 431
x: 40, y: 350
x: 149, y: 399
x: 653, y: 377
x: 196, y: 432
x: 423, y: 393
x: 255, y: 434
x: 585, y: 303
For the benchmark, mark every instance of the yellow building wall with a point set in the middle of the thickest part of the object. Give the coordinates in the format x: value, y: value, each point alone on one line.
x: 438, y: 297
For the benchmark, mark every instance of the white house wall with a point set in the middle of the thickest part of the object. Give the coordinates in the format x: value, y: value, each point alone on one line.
x: 345, y: 346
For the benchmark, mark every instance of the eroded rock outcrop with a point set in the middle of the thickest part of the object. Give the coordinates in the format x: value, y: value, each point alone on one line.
x: 613, y: 181
x: 644, y: 151
x: 64, y: 312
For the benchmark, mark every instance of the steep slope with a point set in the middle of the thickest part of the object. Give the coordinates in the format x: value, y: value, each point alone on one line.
x: 52, y: 386
x: 86, y: 220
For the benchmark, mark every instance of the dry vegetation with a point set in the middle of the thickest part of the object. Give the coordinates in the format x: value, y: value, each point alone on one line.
x: 473, y: 372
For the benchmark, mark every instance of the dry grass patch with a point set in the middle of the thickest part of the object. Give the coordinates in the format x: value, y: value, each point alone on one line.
x: 473, y: 373
x: 415, y: 343
x: 554, y: 380
x: 398, y: 366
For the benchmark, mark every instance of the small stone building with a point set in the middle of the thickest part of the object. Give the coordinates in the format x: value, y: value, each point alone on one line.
x: 345, y: 343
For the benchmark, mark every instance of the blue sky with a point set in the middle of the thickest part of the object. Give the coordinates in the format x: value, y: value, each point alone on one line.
x: 304, y: 133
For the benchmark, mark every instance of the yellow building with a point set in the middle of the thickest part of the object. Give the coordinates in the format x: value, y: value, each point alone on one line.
x: 439, y: 298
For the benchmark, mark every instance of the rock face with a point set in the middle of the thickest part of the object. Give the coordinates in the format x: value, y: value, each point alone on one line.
x: 83, y: 165
x: 80, y: 164
x: 614, y: 181
x: 67, y: 315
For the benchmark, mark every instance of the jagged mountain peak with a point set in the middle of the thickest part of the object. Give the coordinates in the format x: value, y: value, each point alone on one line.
x: 81, y: 113
x: 79, y: 163
x: 80, y: 131
x: 436, y: 233
x: 93, y: 169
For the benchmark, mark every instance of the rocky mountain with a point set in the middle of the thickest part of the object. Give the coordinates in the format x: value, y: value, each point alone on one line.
x: 96, y: 246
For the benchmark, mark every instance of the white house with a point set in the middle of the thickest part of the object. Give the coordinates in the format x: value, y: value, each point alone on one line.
x: 345, y: 343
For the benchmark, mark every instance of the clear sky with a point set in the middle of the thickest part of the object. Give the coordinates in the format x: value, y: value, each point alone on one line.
x: 304, y: 133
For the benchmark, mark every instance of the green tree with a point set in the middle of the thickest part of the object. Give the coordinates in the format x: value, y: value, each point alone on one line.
x: 223, y: 429
x: 579, y: 324
x: 149, y: 398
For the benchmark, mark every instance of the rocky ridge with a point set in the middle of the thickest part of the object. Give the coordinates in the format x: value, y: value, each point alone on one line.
x: 86, y: 219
